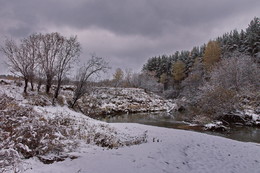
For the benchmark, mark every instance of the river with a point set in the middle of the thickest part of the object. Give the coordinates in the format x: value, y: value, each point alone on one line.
x: 162, y: 119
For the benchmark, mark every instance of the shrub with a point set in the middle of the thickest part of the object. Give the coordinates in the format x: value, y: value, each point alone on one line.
x: 217, y: 101
x: 26, y: 132
x: 228, y: 82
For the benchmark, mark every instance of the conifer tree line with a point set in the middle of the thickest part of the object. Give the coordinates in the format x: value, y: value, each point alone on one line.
x: 170, y: 70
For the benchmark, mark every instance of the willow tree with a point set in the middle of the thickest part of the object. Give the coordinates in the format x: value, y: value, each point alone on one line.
x: 68, y: 54
x: 56, y: 56
x: 22, y: 58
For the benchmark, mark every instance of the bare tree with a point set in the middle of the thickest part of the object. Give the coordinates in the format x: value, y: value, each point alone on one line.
x: 69, y: 53
x: 51, y: 45
x: 57, y: 56
x: 52, y: 54
x: 19, y: 60
x: 39, y: 76
x: 128, y: 76
x: 31, y: 46
x: 94, y: 66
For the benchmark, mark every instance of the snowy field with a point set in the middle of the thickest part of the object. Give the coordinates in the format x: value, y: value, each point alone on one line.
x: 167, y: 150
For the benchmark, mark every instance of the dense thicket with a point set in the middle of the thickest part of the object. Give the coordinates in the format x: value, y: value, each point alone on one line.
x: 215, y: 78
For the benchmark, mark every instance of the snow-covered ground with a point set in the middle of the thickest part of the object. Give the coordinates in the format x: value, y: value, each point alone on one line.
x: 138, y: 148
x: 167, y: 150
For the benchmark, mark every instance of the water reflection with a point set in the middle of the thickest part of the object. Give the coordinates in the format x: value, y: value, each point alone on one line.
x: 162, y: 119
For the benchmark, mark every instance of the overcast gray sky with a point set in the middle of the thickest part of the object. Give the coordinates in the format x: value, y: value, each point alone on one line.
x: 127, y: 32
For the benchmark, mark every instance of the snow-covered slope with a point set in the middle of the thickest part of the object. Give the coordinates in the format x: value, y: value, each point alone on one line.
x: 167, y: 150
x: 123, y: 100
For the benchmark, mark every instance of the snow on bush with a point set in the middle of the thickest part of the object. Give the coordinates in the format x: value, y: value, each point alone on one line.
x: 26, y: 132
x: 215, y: 126
x: 104, y: 101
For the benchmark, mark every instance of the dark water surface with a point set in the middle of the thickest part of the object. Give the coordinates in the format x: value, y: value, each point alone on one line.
x: 162, y: 119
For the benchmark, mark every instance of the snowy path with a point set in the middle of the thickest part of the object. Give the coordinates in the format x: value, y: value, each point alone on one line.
x: 167, y: 150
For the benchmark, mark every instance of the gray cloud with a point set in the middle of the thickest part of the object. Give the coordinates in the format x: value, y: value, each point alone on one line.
x: 142, y: 17
x: 128, y: 32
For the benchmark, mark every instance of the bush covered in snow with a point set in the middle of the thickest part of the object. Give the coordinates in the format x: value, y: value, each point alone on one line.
x: 26, y: 132
x: 107, y: 101
x: 231, y: 86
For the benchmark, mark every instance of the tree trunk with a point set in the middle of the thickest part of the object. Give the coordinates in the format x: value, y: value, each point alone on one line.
x: 39, y: 86
x: 165, y: 86
x: 74, y: 101
x: 57, y: 90
x: 25, y: 85
x: 48, y: 86
x: 32, y: 86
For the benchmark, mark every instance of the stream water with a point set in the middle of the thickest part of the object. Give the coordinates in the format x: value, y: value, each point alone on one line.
x: 162, y: 119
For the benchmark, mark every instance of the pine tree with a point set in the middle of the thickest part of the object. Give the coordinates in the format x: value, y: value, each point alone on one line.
x: 253, y: 37
x: 242, y: 38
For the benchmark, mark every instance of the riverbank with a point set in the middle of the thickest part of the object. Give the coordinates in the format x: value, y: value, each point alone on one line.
x: 163, y: 119
x: 104, y: 101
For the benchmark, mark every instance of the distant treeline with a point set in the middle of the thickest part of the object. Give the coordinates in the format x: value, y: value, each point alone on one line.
x: 245, y: 41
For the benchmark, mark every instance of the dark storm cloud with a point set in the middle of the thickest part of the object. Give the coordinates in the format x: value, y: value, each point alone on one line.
x: 128, y: 31
x: 20, y: 31
x: 144, y: 17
